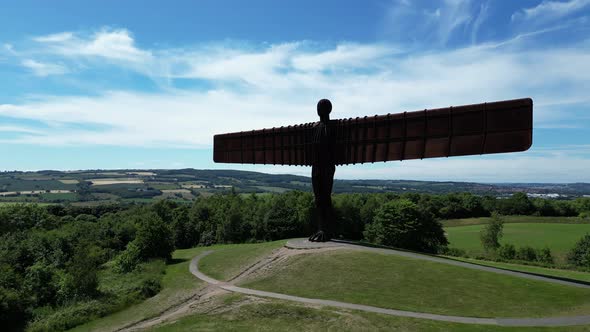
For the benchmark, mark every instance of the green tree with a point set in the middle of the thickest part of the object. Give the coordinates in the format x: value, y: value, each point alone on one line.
x: 154, y: 237
x: 491, y: 234
x: 580, y: 255
x: 280, y: 222
x: 402, y: 224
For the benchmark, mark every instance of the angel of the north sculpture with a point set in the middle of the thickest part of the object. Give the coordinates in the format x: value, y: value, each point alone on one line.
x: 496, y: 127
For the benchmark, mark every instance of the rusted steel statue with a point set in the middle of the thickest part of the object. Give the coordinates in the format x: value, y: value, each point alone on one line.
x: 497, y: 127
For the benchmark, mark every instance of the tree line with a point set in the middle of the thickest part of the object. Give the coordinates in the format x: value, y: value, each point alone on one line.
x: 51, y: 256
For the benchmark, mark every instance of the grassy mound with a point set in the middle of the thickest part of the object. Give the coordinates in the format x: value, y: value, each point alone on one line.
x: 272, y: 315
x: 408, y: 284
x: 227, y: 261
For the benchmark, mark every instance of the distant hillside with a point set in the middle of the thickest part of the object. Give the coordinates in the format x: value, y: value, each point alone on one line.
x: 107, y: 186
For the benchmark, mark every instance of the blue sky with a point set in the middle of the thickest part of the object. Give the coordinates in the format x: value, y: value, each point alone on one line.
x: 144, y: 84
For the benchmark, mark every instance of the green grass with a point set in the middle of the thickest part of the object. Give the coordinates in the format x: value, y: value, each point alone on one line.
x: 178, y: 284
x: 225, y: 263
x: 278, y: 190
x: 276, y: 315
x: 13, y: 203
x: 163, y: 186
x: 515, y: 219
x: 59, y: 196
x: 560, y: 238
x: 408, y: 284
x: 118, y: 291
x: 574, y: 275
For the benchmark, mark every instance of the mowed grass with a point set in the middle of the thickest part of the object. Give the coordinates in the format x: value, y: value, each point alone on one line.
x: 515, y: 219
x: 274, y: 315
x: 560, y: 273
x: 227, y: 262
x: 394, y: 282
x: 560, y: 238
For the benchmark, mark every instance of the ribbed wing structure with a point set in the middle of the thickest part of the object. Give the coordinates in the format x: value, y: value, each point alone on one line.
x: 497, y: 127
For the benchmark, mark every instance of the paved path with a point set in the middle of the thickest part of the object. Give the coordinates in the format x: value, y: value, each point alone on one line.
x: 550, y: 321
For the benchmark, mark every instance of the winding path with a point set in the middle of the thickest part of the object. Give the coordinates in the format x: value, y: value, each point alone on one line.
x: 303, y: 244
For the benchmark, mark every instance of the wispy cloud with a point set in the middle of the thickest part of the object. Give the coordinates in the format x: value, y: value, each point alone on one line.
x: 243, y: 86
x: 479, y: 20
x: 278, y: 85
x: 44, y: 69
x: 410, y: 22
x: 548, y: 11
x: 114, y: 44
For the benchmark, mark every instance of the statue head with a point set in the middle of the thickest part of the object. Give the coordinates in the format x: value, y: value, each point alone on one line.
x: 324, y: 109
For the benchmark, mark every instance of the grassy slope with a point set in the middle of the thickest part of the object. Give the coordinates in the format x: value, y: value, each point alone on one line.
x: 228, y: 261
x: 288, y: 316
x: 178, y: 283
x: 575, y: 275
x: 401, y: 283
x: 560, y: 238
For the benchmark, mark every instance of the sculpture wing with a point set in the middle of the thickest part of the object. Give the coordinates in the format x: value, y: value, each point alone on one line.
x: 504, y: 126
x: 497, y: 127
x: 290, y: 145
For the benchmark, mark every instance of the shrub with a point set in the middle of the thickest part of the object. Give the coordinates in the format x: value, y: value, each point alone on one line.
x: 456, y: 252
x: 507, y: 252
x: 544, y: 256
x: 149, y: 287
x: 400, y: 223
x: 526, y: 253
x: 128, y: 260
x: 492, y: 233
x: 580, y: 255
x: 71, y: 316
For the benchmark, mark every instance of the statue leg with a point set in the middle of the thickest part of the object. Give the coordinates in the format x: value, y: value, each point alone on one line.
x: 322, y: 179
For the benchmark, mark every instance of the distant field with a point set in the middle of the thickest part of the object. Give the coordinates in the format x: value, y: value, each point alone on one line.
x: 108, y: 181
x: 569, y: 274
x: 142, y: 173
x: 162, y: 185
x: 560, y: 238
x: 515, y: 219
x: 12, y: 203
x: 59, y: 196
x: 69, y: 181
x: 278, y: 190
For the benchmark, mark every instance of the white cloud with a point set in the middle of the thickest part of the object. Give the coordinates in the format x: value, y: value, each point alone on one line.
x: 550, y: 10
x: 255, y: 86
x: 279, y: 85
x: 9, y: 48
x: 44, y: 69
x: 113, y: 44
x: 410, y: 23
x: 19, y: 129
x: 55, y: 38
x: 516, y: 167
x: 479, y: 20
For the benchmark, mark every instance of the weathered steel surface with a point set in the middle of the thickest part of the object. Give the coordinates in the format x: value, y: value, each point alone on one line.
x: 503, y: 126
